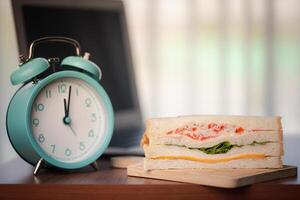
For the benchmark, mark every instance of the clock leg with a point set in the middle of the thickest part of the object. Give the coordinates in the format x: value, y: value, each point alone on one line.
x: 38, y: 166
x: 95, y: 165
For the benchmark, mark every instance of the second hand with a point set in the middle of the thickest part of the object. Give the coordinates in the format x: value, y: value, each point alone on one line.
x: 74, y: 132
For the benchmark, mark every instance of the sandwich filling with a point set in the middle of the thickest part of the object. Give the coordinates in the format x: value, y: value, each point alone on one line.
x: 201, y: 132
x: 214, y: 160
x: 221, y: 148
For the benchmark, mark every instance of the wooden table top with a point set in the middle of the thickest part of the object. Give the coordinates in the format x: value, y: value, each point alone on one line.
x: 17, y: 182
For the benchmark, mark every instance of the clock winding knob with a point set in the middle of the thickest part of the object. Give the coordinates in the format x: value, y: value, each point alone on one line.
x: 86, y: 55
x: 22, y: 59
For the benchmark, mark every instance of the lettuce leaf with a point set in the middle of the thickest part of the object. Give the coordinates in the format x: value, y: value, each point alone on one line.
x: 224, y: 147
x: 260, y: 143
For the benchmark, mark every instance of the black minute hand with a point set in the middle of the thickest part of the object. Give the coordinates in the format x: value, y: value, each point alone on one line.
x: 65, y: 106
x: 69, y: 99
x: 67, y: 119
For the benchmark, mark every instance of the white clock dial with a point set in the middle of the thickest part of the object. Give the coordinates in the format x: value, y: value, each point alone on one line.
x: 74, y: 138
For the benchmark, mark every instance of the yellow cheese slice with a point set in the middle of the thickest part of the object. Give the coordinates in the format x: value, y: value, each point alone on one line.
x: 213, y: 160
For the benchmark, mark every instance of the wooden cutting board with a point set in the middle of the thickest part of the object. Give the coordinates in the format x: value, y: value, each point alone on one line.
x: 125, y: 161
x: 224, y: 178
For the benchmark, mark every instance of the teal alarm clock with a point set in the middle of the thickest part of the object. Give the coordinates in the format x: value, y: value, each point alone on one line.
x: 61, y: 116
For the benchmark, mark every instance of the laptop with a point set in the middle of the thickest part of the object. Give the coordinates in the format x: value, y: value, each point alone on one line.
x: 100, y: 27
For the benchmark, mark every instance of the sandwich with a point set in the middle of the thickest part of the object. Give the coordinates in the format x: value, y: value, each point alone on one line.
x: 213, y: 142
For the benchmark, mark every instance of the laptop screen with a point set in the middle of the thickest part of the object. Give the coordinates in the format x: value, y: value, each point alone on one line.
x: 100, y: 28
x: 98, y: 32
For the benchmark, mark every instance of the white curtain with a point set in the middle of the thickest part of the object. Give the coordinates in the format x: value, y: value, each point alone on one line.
x: 8, y: 63
x: 217, y: 57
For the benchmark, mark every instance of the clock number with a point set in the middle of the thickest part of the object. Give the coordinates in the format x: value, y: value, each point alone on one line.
x: 88, y: 102
x: 39, y: 107
x: 94, y: 117
x: 48, y: 94
x: 35, y: 122
x: 62, y: 88
x: 76, y: 91
x: 81, y: 146
x: 68, y: 152
x: 53, y: 147
x: 41, y: 138
x: 91, y: 133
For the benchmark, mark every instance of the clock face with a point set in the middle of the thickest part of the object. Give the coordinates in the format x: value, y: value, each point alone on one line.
x: 68, y: 120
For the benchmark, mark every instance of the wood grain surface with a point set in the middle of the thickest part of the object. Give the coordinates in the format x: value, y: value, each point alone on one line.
x: 124, y: 161
x: 223, y: 178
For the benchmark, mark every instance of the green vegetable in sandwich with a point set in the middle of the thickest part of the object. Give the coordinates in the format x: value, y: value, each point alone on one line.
x: 224, y: 147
